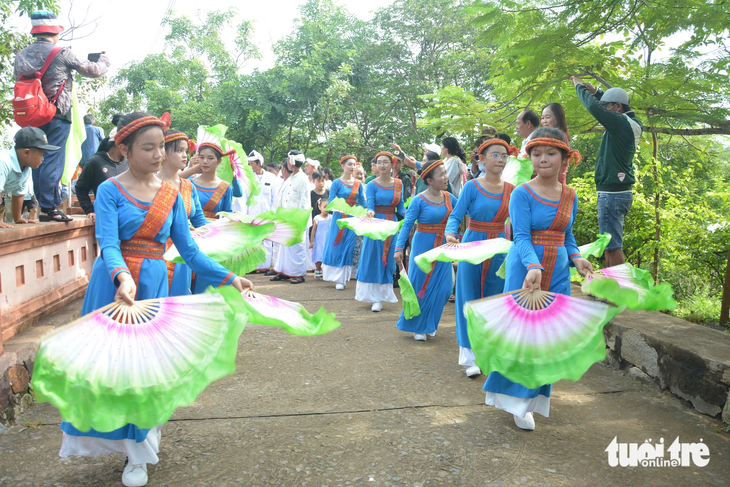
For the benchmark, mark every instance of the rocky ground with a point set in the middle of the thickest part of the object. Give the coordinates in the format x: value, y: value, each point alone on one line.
x: 368, y: 405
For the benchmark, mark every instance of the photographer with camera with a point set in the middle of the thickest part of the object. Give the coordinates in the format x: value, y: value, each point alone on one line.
x: 57, y: 83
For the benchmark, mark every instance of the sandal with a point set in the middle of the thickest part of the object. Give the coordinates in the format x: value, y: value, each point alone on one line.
x: 51, y: 217
x: 297, y: 280
x: 278, y: 277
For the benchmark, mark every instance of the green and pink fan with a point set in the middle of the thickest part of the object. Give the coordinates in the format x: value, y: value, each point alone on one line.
x: 245, y: 262
x: 375, y: 228
x: 411, y: 308
x: 625, y: 285
x: 223, y: 239
x: 137, y: 364
x: 231, y: 165
x: 292, y: 317
x: 289, y: 223
x: 340, y: 204
x: 471, y: 252
x: 517, y: 170
x: 537, y: 338
x: 408, y: 202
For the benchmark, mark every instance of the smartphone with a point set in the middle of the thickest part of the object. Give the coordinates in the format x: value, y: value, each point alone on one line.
x: 391, y: 137
x: 94, y: 57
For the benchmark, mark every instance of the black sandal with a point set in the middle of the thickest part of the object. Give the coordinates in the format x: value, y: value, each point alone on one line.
x: 49, y: 217
x: 297, y: 280
x: 278, y: 277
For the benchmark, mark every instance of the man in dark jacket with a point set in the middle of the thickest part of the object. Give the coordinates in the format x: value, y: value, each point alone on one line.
x: 57, y: 79
x: 615, y: 161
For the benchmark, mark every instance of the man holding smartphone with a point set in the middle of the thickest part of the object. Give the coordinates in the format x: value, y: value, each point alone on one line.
x: 57, y: 83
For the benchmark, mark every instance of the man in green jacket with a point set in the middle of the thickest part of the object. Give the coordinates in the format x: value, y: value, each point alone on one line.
x: 614, y: 165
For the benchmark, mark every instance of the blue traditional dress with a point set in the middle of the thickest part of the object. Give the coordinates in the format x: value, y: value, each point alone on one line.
x: 377, y: 266
x: 214, y: 200
x: 340, y: 245
x: 219, y: 198
x: 543, y: 239
x: 432, y: 289
x: 179, y: 275
x: 132, y: 236
x: 487, y: 213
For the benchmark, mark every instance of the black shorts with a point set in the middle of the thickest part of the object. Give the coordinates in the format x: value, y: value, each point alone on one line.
x: 30, y: 204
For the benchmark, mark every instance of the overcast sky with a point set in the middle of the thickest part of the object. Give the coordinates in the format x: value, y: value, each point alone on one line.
x: 127, y: 29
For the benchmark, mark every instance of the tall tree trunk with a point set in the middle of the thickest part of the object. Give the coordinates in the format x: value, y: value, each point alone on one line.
x: 657, y: 200
x: 725, y: 306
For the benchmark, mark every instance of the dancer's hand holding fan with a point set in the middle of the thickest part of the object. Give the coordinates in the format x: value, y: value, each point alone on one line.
x: 340, y: 204
x: 471, y: 252
x: 136, y: 364
x: 536, y: 338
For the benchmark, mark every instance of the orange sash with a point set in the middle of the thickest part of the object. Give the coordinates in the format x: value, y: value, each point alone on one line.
x: 389, y: 212
x: 214, y: 200
x: 351, y: 200
x: 439, y: 230
x: 493, y: 228
x: 186, y: 191
x: 142, y: 246
x: 554, y: 236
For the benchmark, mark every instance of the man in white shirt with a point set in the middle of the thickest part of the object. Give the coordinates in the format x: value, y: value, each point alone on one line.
x: 292, y: 260
x: 266, y: 201
x: 527, y: 123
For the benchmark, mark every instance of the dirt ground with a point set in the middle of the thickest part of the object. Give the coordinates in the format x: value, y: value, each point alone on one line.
x: 368, y: 405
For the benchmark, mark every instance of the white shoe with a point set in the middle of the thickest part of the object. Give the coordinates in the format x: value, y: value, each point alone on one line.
x: 340, y: 287
x: 473, y: 370
x: 377, y: 307
x: 135, y: 475
x: 420, y: 337
x: 431, y: 334
x: 526, y: 423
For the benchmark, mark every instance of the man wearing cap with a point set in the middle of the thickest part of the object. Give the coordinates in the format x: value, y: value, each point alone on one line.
x: 266, y: 201
x: 614, y: 164
x: 16, y: 166
x: 57, y: 83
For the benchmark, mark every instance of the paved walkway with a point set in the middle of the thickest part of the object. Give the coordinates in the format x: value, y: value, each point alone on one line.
x: 368, y: 405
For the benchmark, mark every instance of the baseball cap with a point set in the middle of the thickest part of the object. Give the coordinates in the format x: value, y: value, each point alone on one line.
x: 399, y: 155
x: 32, y: 138
x: 615, y: 95
x: 255, y: 156
x: 433, y: 148
x: 489, y: 132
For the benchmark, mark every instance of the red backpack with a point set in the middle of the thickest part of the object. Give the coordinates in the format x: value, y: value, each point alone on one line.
x: 31, y: 108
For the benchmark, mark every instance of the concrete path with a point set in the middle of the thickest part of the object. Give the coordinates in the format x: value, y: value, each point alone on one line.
x: 368, y: 405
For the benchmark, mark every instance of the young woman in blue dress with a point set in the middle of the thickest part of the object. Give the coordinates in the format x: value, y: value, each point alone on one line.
x: 542, y: 212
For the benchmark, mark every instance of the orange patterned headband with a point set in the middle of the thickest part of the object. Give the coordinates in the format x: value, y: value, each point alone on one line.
x: 430, y: 168
x: 135, y: 125
x: 342, y: 161
x: 573, y: 155
x: 392, y: 157
x: 174, y: 137
x: 491, y: 142
x: 216, y: 148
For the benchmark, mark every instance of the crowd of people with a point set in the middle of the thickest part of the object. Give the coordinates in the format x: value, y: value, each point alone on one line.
x: 148, y: 193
